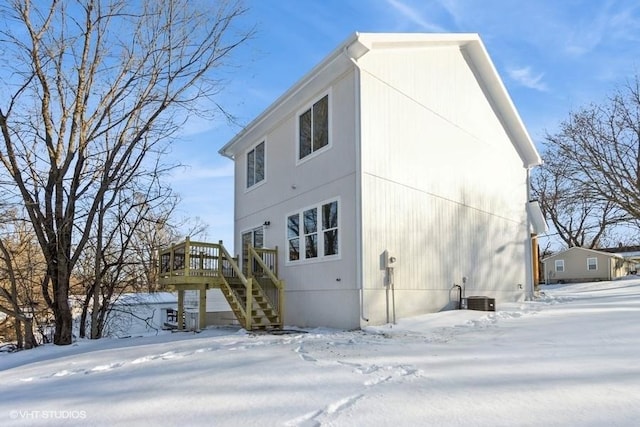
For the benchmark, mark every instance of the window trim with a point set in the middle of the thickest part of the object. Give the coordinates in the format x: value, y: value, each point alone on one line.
x: 246, y: 165
x: 300, y: 112
x: 557, y: 263
x: 589, y: 265
x: 320, y: 257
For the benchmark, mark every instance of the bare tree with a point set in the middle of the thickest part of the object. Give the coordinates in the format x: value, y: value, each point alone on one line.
x: 579, y: 216
x: 120, y: 255
x: 593, y: 182
x: 93, y: 92
x: 117, y: 256
x: 19, y: 277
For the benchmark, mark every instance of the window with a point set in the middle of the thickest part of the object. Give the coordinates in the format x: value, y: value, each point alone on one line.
x: 313, y: 128
x: 169, y: 318
x: 330, y: 228
x: 313, y: 233
x: 310, y: 222
x: 559, y: 265
x: 255, y: 165
x: 592, y: 263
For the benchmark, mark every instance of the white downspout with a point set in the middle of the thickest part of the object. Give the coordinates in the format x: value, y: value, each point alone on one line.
x: 357, y: 136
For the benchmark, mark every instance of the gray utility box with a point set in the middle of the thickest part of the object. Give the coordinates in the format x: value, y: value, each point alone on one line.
x: 481, y: 303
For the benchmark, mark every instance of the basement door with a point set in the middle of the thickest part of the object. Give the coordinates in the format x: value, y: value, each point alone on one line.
x: 255, y: 238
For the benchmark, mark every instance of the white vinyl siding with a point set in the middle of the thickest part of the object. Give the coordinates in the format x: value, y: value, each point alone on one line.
x: 559, y: 265
x: 313, y: 233
x: 592, y: 263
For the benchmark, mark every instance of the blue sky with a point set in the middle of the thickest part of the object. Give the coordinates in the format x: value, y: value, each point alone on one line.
x: 553, y: 56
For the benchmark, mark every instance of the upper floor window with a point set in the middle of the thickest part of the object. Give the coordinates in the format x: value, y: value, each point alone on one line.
x: 255, y: 165
x: 313, y: 128
x: 559, y: 265
x: 313, y: 233
x: 592, y: 263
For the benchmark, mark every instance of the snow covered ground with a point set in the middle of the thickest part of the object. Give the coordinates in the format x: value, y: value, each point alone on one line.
x: 571, y: 358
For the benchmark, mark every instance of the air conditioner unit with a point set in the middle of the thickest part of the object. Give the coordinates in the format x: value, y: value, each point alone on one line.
x: 481, y: 303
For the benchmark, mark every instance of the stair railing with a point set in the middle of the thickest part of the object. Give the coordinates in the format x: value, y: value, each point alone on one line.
x: 255, y: 255
x: 248, y: 284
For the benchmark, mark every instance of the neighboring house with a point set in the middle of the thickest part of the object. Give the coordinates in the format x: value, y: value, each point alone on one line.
x: 395, y: 169
x: 630, y: 253
x: 141, y: 314
x: 584, y: 265
x: 134, y: 314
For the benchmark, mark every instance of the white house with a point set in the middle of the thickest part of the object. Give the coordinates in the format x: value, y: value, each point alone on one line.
x: 141, y: 314
x: 395, y: 169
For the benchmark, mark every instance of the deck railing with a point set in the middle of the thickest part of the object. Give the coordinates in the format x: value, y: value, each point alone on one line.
x: 194, y: 259
x: 191, y: 262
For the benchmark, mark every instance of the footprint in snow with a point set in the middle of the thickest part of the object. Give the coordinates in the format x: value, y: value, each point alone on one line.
x: 375, y: 381
x: 64, y: 373
x: 102, y: 368
x: 361, y: 369
x: 144, y: 359
x: 170, y: 355
x: 310, y: 419
x: 343, y: 404
x: 303, y: 354
x: 307, y: 358
x: 306, y: 420
x: 366, y: 369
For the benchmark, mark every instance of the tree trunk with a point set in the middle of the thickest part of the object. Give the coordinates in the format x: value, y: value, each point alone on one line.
x: 64, y: 324
x: 96, y: 327
x: 29, y: 338
x: 19, y: 337
x: 61, y: 310
x: 82, y: 328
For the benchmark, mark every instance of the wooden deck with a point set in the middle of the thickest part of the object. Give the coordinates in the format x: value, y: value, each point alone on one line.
x: 254, y: 293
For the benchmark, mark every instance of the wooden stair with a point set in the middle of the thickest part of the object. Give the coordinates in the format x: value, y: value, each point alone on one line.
x: 255, y: 293
x: 263, y: 315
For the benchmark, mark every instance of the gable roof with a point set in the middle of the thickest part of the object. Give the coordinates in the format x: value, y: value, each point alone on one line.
x: 358, y: 44
x: 589, y: 251
x: 621, y: 249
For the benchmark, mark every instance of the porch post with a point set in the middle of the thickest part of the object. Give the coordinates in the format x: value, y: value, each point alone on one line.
x: 535, y: 260
x: 249, y: 304
x: 202, y: 308
x: 180, y: 310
